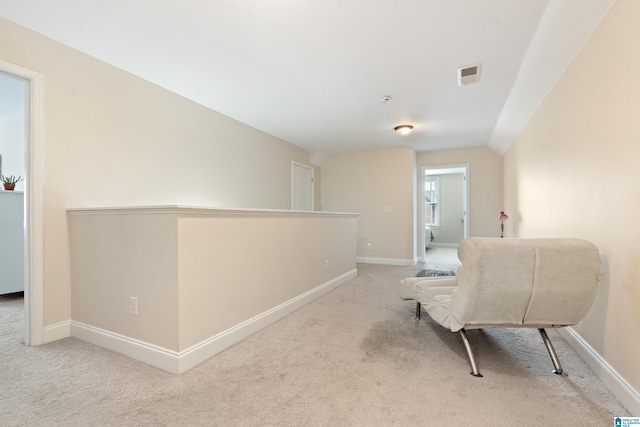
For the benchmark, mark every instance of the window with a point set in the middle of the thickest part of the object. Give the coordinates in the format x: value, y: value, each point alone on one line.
x: 431, y: 200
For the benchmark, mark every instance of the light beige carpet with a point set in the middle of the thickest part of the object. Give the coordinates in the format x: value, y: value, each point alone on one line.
x: 355, y: 357
x: 437, y: 258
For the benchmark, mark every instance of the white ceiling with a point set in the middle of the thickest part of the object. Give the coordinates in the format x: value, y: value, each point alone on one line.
x: 312, y: 72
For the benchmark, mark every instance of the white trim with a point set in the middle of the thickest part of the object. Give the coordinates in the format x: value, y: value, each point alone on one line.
x: 627, y: 395
x: 205, y: 211
x: 135, y: 349
x: 180, y: 362
x: 34, y: 164
x: 204, y: 350
x: 387, y: 261
x: 56, y: 332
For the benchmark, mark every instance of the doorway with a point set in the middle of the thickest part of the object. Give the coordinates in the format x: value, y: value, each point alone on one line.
x: 444, y: 205
x: 33, y: 210
x: 12, y: 169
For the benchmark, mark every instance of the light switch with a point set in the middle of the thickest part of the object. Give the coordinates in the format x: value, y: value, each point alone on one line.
x: 387, y: 209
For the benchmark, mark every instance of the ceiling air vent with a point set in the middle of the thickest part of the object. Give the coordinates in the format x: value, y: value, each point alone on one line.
x: 469, y: 74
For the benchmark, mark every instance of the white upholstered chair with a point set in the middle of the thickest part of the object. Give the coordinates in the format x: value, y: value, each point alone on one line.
x: 511, y: 283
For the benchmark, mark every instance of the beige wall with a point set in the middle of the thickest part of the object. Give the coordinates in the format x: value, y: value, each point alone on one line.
x: 112, y: 139
x: 573, y: 171
x: 117, y: 256
x: 365, y: 183
x: 194, y: 271
x: 221, y: 287
x: 484, y: 184
x: 199, y: 284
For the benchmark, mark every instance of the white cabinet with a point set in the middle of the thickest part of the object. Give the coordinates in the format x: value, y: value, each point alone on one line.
x: 11, y: 241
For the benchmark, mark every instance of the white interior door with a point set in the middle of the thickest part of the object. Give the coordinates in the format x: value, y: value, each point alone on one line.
x: 301, y: 187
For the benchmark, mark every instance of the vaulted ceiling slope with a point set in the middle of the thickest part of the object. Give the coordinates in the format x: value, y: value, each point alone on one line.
x: 312, y: 72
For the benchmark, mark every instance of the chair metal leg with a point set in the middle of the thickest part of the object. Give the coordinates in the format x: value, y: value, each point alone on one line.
x: 552, y: 352
x: 418, y: 305
x: 472, y: 361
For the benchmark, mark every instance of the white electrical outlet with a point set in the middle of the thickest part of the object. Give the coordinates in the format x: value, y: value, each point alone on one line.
x: 369, y: 246
x: 326, y: 264
x: 133, y: 306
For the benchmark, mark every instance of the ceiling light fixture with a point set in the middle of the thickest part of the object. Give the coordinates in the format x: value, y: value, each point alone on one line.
x: 403, y: 129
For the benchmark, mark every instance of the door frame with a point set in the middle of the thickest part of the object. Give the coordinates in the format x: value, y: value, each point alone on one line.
x: 33, y: 197
x: 442, y: 170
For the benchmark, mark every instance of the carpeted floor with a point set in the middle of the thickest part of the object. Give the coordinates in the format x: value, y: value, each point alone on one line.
x: 355, y: 357
x: 443, y: 259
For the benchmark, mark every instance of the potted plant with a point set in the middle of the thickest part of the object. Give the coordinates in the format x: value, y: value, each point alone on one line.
x: 10, y: 181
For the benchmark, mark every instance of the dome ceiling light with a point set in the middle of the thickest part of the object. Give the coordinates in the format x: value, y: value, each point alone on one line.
x: 403, y: 129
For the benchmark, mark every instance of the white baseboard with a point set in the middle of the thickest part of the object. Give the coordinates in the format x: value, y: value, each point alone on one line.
x: 386, y: 261
x: 56, y: 332
x: 179, y: 362
x: 204, y: 350
x: 627, y: 395
x: 148, y: 353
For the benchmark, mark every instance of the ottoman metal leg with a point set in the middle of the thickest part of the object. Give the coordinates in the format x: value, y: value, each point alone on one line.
x: 552, y: 353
